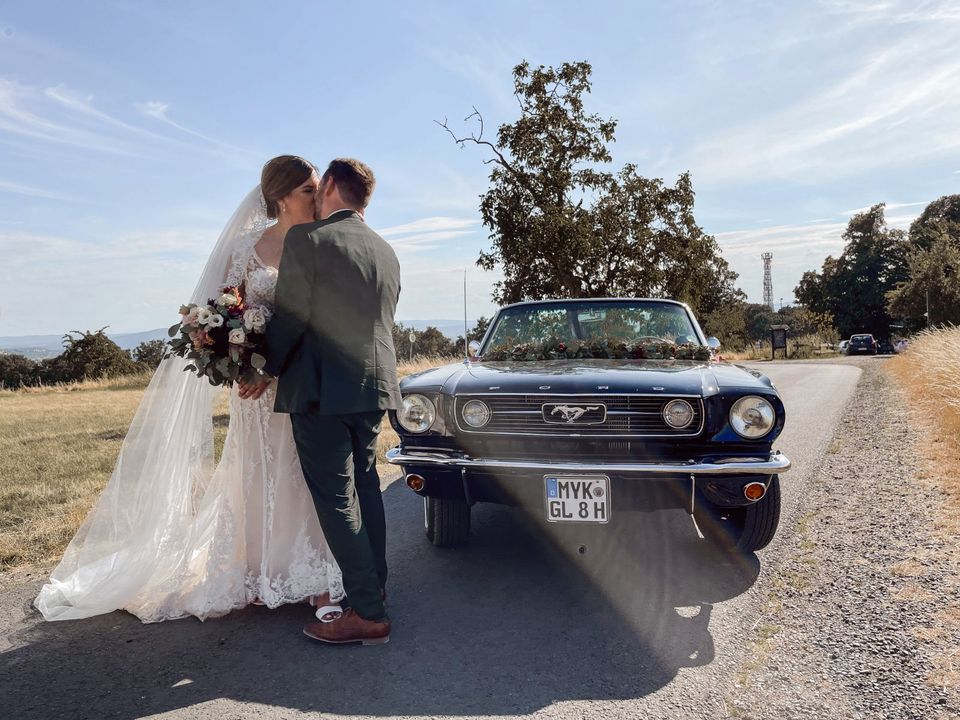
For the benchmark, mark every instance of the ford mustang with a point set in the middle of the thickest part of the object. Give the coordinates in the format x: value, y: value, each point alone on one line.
x: 585, y: 409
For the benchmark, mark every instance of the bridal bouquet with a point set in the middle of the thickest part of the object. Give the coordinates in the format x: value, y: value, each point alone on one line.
x: 223, y: 338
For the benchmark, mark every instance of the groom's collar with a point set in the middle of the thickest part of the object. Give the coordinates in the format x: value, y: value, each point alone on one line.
x: 340, y: 214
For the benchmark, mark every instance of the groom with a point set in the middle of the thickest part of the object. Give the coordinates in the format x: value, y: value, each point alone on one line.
x: 330, y: 344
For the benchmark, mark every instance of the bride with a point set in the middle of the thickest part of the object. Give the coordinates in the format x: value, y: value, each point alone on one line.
x: 172, y: 535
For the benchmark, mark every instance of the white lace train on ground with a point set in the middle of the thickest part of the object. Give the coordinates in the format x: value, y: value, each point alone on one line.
x: 172, y: 536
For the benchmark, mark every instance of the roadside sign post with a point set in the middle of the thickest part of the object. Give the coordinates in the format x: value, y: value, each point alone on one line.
x: 778, y: 340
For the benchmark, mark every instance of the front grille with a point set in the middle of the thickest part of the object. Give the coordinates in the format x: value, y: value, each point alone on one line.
x: 626, y: 416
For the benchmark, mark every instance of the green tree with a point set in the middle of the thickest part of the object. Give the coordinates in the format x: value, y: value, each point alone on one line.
x: 433, y: 343
x: 933, y: 276
x: 934, y: 282
x: 479, y: 329
x: 728, y: 325
x: 149, y: 353
x: 940, y: 219
x: 561, y: 225
x: 17, y: 371
x: 477, y: 333
x: 89, y: 355
x: 853, y: 288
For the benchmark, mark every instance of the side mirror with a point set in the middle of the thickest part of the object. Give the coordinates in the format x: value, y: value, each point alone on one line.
x: 713, y: 344
x: 473, y: 350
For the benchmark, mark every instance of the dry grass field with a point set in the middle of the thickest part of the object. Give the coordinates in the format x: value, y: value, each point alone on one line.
x: 58, y: 446
x: 929, y: 371
x: 803, y: 347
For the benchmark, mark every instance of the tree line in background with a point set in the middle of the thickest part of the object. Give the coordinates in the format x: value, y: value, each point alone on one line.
x: 430, y: 342
x: 86, y: 355
x: 93, y: 356
x: 889, y: 282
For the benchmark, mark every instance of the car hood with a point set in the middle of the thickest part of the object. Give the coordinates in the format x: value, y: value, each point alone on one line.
x: 674, y: 377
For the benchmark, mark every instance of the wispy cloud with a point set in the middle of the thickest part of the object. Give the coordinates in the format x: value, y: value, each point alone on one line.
x: 889, y: 207
x: 796, y: 248
x: 893, y: 102
x: 83, y: 105
x: 428, y: 233
x: 167, y: 262
x: 7, y: 186
x: 29, y: 113
x: 159, y: 111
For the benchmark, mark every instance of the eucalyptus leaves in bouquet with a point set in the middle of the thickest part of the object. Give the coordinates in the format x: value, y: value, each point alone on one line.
x: 224, y: 339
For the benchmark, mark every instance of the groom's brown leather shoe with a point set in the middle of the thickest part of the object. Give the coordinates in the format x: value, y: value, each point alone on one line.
x: 350, y: 628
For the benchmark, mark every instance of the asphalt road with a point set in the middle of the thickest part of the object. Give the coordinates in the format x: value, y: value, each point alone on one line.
x: 648, y: 621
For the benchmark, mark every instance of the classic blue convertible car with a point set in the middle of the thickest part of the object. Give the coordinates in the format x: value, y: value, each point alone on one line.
x: 584, y: 409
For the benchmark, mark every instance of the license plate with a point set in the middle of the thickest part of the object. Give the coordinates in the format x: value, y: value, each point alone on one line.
x: 577, y: 498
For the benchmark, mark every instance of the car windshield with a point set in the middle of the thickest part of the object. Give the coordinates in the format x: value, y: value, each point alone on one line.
x: 629, y: 322
x: 862, y: 337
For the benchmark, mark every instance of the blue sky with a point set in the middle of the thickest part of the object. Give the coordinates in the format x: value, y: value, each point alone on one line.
x: 129, y: 131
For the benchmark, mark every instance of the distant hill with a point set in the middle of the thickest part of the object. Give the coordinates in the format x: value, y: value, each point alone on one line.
x: 38, y: 347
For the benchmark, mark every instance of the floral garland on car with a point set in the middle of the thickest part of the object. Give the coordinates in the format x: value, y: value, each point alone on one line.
x: 595, y: 348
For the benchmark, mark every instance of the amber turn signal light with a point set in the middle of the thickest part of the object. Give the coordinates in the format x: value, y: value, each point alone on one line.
x: 415, y: 482
x: 754, y: 491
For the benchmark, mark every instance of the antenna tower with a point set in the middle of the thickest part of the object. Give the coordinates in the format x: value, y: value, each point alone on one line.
x: 767, y: 280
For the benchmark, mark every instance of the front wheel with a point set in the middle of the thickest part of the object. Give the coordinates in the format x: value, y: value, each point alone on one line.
x: 745, y: 529
x: 446, y: 520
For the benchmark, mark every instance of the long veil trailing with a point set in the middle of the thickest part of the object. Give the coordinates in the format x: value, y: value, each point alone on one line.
x: 140, y: 530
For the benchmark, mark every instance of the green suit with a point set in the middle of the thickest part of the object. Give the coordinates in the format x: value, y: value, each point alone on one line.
x: 330, y: 344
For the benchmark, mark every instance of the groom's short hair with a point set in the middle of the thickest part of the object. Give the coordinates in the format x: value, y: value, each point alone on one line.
x: 354, y: 179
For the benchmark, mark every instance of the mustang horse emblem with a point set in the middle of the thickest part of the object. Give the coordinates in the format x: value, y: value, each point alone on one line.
x: 572, y: 413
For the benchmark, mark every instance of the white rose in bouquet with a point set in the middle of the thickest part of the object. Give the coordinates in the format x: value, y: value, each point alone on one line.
x: 215, y: 321
x: 237, y: 336
x: 227, y: 300
x: 204, y: 315
x: 255, y: 319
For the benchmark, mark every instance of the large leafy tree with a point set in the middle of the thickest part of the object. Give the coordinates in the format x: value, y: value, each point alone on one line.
x: 87, y: 356
x: 17, y: 371
x: 563, y: 225
x: 933, y: 277
x: 853, y: 287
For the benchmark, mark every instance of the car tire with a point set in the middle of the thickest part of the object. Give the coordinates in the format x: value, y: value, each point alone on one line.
x: 446, y: 521
x: 743, y: 529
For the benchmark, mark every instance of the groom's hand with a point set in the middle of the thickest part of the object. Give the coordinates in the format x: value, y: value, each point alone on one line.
x: 253, y: 391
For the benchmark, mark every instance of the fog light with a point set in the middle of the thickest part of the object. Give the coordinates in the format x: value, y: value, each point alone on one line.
x: 415, y: 482
x: 678, y: 414
x: 476, y: 413
x: 754, y: 491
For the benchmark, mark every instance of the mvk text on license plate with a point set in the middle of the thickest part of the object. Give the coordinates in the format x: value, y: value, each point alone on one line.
x: 577, y: 498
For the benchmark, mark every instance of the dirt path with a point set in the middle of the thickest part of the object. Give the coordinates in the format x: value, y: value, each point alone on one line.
x: 848, y: 619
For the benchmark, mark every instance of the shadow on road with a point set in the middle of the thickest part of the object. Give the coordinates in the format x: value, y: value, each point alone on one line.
x: 508, y: 625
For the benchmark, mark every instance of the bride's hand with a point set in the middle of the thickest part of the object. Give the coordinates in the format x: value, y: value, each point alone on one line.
x: 254, y: 391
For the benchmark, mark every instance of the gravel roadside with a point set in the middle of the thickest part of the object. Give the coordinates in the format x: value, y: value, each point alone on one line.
x: 863, y: 581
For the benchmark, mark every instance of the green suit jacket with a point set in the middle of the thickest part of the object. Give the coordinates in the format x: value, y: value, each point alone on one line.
x: 330, y: 340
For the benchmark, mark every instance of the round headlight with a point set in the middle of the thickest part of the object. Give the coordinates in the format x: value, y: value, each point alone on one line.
x: 476, y: 413
x: 678, y: 414
x: 417, y: 414
x: 752, y: 417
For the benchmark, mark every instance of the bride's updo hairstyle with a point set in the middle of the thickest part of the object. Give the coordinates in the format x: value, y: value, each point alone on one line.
x: 280, y: 177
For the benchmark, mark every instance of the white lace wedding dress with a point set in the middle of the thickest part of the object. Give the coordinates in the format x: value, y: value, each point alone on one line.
x: 172, y: 537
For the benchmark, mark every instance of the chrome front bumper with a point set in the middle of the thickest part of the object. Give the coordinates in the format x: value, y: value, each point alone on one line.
x: 776, y: 463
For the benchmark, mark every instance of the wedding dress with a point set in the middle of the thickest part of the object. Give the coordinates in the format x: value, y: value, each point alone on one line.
x: 172, y: 536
